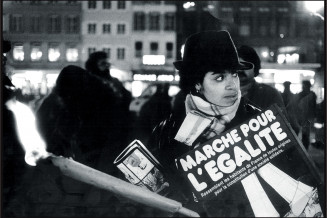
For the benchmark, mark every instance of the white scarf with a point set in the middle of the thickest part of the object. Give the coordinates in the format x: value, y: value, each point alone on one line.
x: 204, y: 118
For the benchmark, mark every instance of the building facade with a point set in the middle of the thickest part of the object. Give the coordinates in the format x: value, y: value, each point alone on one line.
x: 106, y: 26
x: 288, y: 39
x: 45, y: 37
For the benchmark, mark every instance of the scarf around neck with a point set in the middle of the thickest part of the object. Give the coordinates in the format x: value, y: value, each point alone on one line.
x: 204, y: 118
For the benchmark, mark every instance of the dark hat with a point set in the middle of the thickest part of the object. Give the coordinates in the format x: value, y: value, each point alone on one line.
x: 211, y: 50
x: 248, y: 53
x: 6, y: 46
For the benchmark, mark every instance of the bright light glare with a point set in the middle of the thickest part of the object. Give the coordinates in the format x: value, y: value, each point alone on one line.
x: 314, y: 6
x: 182, y: 51
x: 54, y: 54
x: 117, y: 73
x: 31, y: 140
x: 137, y: 88
x: 264, y: 54
x: 281, y: 58
x: 154, y: 59
x: 18, y: 53
x: 34, y: 76
x: 72, y: 54
x: 165, y: 78
x: 258, y: 79
x: 187, y: 5
x: 146, y: 77
x: 51, y: 79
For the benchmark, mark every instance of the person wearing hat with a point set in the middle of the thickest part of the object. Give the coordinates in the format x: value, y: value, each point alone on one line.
x: 259, y: 94
x: 209, y: 75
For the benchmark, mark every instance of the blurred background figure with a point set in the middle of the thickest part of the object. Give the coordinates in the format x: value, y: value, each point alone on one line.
x: 259, y: 94
x: 98, y: 65
x: 81, y: 117
x: 153, y: 112
x: 291, y: 107
x: 306, y: 102
x: 287, y: 95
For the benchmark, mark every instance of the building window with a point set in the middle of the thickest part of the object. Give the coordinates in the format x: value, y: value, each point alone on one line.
x: 53, y: 1
x: 71, y: 2
x: 244, y: 27
x: 169, y: 49
x: 36, y: 52
x: 72, y: 24
x: 264, y: 26
x: 16, y: 23
x: 92, y: 4
x: 72, y: 53
x: 170, y: 21
x: 53, y: 52
x: 121, y: 5
x: 139, y: 21
x: 91, y: 50
x: 54, y: 25
x: 138, y: 49
x: 91, y: 28
x: 107, y: 51
x: 36, y: 24
x: 106, y: 4
x: 120, y: 28
x: 154, y: 21
x: 120, y: 53
x: 106, y: 28
x: 154, y: 48
x: 18, y: 52
x: 283, y: 24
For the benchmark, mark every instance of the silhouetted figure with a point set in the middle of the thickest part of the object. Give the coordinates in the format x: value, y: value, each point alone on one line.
x: 98, y: 65
x: 154, y: 111
x: 287, y: 95
x: 259, y: 94
x: 81, y: 117
x: 306, y: 102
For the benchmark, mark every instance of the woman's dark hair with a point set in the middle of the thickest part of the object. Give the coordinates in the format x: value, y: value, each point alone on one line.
x: 247, y: 53
x: 91, y: 63
x: 190, y: 77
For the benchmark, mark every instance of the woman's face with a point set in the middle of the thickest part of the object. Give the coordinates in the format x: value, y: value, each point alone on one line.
x: 220, y: 88
x: 103, y: 64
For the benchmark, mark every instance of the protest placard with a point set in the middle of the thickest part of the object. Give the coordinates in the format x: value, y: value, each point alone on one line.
x: 141, y: 168
x: 261, y: 158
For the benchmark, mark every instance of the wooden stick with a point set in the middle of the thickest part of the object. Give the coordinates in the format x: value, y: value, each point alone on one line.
x: 99, y: 179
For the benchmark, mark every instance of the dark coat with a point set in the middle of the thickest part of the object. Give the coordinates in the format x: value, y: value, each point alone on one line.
x: 166, y: 149
x: 82, y: 117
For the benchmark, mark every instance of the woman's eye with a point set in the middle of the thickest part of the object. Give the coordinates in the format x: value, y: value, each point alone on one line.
x: 219, y: 78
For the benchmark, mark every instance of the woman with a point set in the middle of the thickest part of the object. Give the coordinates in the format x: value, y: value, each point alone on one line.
x: 209, y: 74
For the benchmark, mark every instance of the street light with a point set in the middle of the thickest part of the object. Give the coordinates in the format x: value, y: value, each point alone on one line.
x: 314, y: 6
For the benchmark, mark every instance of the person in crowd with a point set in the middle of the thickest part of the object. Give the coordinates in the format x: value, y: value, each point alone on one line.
x: 287, y: 95
x: 153, y: 111
x: 81, y: 117
x: 259, y: 94
x: 98, y: 65
x: 209, y: 75
x: 306, y: 103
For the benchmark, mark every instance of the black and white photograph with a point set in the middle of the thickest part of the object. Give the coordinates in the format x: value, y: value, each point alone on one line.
x: 163, y: 108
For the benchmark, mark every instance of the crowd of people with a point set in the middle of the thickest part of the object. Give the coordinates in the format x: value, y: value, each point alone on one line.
x: 86, y: 117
